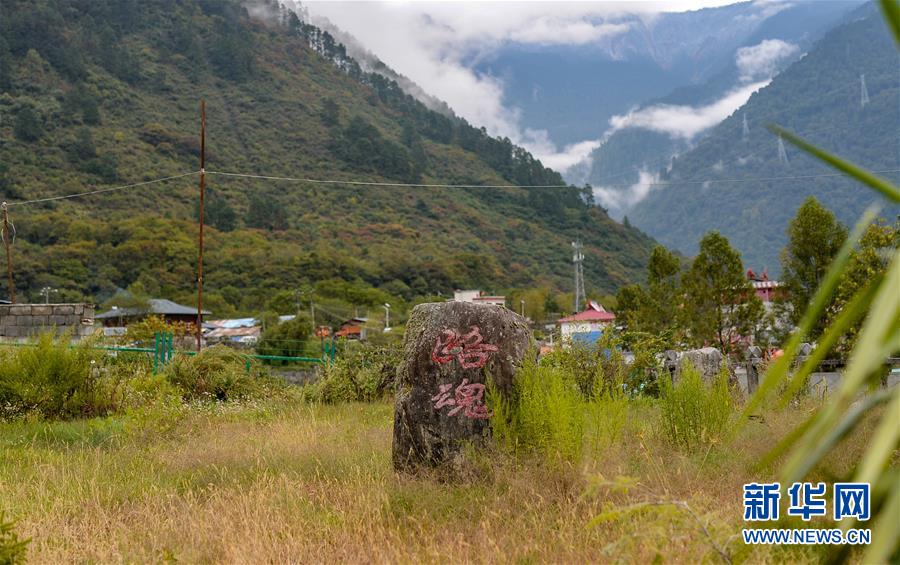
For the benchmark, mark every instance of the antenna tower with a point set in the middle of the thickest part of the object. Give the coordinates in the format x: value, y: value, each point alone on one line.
x: 578, y: 261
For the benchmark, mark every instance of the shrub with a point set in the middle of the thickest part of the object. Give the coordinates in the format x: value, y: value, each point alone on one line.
x: 218, y: 373
x: 12, y: 549
x: 544, y: 413
x: 694, y: 414
x: 363, y: 373
x: 55, y: 380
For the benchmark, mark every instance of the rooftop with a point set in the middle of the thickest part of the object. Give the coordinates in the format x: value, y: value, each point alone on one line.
x: 594, y: 313
x: 159, y: 306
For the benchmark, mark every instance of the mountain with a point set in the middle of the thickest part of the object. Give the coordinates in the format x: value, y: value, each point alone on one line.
x: 97, y: 95
x: 572, y: 90
x: 616, y: 167
x: 819, y: 98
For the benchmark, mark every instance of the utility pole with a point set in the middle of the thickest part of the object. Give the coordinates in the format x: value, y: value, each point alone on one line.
x: 387, y: 316
x: 522, y: 307
x: 577, y: 261
x: 6, y: 242
x: 202, y: 195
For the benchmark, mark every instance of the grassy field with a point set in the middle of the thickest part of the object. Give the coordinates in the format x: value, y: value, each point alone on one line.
x: 294, y: 482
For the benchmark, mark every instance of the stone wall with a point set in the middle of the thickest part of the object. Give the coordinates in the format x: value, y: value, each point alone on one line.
x: 19, y: 321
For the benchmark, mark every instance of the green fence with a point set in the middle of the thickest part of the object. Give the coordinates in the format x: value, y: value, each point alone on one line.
x: 163, y: 351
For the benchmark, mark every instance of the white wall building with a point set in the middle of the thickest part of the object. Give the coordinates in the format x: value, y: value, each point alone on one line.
x: 478, y: 297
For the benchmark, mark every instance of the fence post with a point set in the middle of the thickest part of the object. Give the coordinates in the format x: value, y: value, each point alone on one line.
x: 155, y: 352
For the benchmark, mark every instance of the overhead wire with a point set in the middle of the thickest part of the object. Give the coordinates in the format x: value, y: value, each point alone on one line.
x: 102, y: 190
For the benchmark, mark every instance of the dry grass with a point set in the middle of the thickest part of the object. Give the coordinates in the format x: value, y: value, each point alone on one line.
x: 298, y: 483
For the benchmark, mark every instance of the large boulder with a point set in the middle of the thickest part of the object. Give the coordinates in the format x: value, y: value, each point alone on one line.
x: 707, y: 360
x: 449, y: 350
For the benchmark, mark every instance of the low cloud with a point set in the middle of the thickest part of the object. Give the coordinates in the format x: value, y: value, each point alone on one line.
x: 686, y: 121
x: 555, y: 31
x: 618, y: 200
x: 435, y: 44
x: 762, y: 60
x: 561, y: 160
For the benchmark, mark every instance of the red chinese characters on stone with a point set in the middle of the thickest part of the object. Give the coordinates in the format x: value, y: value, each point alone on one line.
x: 468, y: 398
x: 467, y: 348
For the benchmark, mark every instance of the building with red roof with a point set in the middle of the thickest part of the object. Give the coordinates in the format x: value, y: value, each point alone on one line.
x: 586, y: 326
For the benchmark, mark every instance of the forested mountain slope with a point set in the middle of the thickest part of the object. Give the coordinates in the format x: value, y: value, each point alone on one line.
x: 101, y: 94
x: 818, y: 97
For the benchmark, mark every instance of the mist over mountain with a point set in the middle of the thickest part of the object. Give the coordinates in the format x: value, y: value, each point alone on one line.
x: 820, y: 97
x: 572, y: 91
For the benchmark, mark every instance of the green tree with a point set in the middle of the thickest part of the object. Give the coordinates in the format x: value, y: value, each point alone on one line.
x: 217, y: 212
x: 287, y: 338
x: 27, y: 125
x: 265, y: 212
x: 814, y: 238
x: 867, y: 262
x: 331, y: 112
x: 721, y: 304
x: 655, y: 308
x: 82, y: 148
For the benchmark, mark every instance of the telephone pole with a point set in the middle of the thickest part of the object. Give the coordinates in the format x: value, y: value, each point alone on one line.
x: 6, y: 242
x: 578, y: 260
x: 200, y: 247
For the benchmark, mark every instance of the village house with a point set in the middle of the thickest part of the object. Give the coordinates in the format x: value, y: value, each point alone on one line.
x: 169, y: 311
x: 585, y: 327
x: 478, y: 297
x: 766, y: 290
x: 352, y: 329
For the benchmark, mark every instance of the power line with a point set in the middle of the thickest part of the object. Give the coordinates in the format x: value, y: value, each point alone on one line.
x: 102, y: 190
x: 762, y: 179
x: 386, y: 184
x: 414, y: 185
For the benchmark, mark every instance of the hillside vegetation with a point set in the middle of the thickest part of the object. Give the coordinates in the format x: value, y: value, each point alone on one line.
x: 819, y: 98
x: 98, y: 94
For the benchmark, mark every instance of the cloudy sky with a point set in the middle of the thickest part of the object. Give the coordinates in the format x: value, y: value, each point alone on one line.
x: 435, y: 44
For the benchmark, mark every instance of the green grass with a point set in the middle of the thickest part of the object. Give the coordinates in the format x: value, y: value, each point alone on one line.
x: 276, y: 481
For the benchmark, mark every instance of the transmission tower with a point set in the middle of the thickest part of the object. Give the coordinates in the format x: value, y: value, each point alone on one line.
x: 782, y: 154
x: 578, y: 261
x: 746, y: 127
x: 863, y: 92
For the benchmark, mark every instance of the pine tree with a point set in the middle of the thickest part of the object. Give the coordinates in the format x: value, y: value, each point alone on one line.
x: 814, y: 238
x: 721, y: 305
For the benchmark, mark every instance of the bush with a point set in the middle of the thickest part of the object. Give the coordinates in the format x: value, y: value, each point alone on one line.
x: 12, y: 550
x: 608, y: 412
x: 544, y: 413
x: 218, y: 373
x: 694, y: 414
x: 363, y: 373
x: 54, y: 380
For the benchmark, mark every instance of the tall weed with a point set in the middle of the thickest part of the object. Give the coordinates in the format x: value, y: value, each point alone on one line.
x: 693, y: 413
x: 544, y: 413
x: 363, y: 373
x: 607, y: 414
x: 54, y: 380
